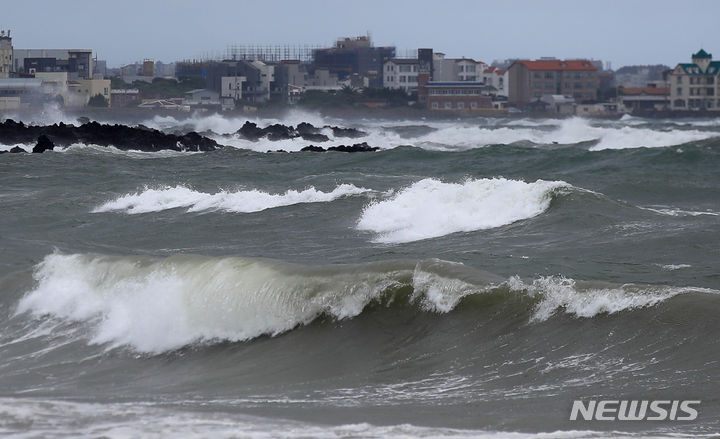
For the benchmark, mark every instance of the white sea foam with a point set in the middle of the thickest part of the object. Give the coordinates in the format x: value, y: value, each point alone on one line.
x: 155, y: 305
x: 673, y: 267
x: 558, y: 293
x: 672, y: 211
x: 222, y: 124
x: 431, y: 208
x: 159, y: 305
x: 26, y: 148
x: 566, y: 132
x: 48, y: 418
x: 244, y: 201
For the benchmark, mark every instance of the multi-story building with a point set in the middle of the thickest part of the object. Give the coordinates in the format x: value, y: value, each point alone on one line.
x: 530, y: 80
x: 497, y: 78
x: 456, y: 97
x: 696, y: 86
x: 77, y: 62
x: 401, y: 73
x: 354, y: 56
x: 6, y: 54
x: 456, y: 69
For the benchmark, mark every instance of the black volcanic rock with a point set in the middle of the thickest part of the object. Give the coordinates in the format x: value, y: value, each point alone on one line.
x: 352, y: 133
x: 313, y: 148
x: 305, y: 130
x: 122, y: 137
x: 250, y: 131
x: 43, y: 144
x: 16, y: 149
x: 358, y: 147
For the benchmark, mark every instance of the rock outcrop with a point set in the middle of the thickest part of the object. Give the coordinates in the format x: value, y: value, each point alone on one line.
x: 119, y: 136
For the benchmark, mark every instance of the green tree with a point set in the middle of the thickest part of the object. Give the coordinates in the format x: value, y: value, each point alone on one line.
x: 98, y: 101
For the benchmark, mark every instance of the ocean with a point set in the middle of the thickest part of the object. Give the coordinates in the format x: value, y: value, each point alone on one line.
x: 472, y: 278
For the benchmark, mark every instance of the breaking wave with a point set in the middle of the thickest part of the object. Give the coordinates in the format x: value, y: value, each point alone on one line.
x: 455, y: 136
x: 153, y: 305
x: 245, y: 201
x: 431, y: 208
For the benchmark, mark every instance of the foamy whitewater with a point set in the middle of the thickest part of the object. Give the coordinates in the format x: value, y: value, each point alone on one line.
x: 155, y: 200
x: 471, y: 278
x: 431, y: 208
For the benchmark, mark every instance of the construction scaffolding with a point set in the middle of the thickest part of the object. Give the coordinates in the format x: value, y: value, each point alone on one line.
x: 270, y: 53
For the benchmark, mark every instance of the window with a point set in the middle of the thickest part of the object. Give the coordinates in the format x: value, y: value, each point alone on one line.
x: 679, y: 79
x: 679, y: 90
x: 473, y: 105
x: 448, y: 105
x: 461, y: 105
x: 537, y: 75
x: 435, y: 105
x: 710, y: 92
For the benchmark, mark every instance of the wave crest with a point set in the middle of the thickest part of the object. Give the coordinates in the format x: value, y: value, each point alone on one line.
x: 155, y: 305
x: 156, y: 200
x: 431, y: 208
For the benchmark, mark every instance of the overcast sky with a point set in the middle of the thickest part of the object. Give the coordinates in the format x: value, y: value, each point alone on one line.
x: 622, y: 32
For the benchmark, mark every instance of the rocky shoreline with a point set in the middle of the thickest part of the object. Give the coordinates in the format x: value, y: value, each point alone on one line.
x: 142, y: 138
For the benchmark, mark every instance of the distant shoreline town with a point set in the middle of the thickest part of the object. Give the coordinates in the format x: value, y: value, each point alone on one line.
x: 356, y: 75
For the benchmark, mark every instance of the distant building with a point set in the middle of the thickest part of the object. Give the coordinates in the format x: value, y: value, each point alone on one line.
x: 497, y: 78
x: 124, y: 96
x: 456, y: 97
x: 695, y: 86
x: 201, y: 97
x: 259, y: 76
x: 80, y: 91
x: 530, y: 80
x: 354, y: 56
x: 76, y: 62
x: 19, y: 92
x: 401, y: 73
x: 456, y: 69
x: 100, y: 67
x: 643, y: 99
x: 6, y: 54
x: 558, y: 104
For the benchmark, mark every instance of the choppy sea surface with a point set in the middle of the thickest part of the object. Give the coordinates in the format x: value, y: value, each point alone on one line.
x: 471, y: 279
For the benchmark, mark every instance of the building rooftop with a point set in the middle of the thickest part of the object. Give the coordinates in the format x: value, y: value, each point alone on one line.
x: 702, y: 55
x: 693, y: 69
x: 558, y: 65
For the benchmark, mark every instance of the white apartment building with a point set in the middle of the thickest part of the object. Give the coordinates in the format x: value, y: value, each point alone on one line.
x: 497, y: 78
x: 456, y: 69
x: 695, y: 86
x: 401, y: 73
